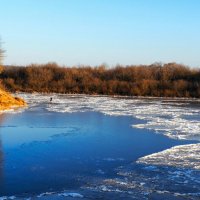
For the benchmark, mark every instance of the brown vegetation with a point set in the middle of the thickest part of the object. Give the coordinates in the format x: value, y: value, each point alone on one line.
x: 6, y: 100
x: 168, y: 80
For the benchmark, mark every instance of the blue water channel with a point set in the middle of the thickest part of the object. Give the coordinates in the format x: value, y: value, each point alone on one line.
x: 42, y: 151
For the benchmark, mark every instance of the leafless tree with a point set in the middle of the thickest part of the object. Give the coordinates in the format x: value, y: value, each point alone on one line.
x: 1, y: 57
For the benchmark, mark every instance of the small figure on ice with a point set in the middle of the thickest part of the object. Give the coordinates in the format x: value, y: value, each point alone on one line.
x: 51, y: 99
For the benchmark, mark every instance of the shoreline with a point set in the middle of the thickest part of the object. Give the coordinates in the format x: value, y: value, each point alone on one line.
x: 112, y: 96
x: 9, y: 102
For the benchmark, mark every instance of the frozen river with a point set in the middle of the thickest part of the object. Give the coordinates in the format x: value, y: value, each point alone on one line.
x: 99, y: 147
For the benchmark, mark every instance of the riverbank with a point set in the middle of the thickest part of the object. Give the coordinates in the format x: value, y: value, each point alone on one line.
x: 7, y: 101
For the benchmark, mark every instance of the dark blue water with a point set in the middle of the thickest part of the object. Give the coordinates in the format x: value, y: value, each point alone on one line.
x: 44, y: 151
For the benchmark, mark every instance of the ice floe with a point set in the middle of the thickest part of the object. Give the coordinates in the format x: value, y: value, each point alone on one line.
x: 7, y: 197
x: 187, y: 156
x: 71, y: 194
x: 47, y: 195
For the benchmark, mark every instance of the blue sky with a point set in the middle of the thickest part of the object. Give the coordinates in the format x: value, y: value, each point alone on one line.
x: 92, y: 32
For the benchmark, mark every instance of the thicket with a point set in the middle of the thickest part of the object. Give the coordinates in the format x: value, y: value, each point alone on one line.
x: 168, y: 80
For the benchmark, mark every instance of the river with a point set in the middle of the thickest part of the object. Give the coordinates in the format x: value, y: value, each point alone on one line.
x: 100, y: 147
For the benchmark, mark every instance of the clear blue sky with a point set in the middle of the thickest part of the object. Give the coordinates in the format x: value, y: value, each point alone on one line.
x: 93, y: 32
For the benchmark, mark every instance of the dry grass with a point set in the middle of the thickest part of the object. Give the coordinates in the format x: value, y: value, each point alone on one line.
x: 7, y: 101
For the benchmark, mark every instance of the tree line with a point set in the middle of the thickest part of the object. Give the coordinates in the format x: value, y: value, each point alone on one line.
x: 166, y: 80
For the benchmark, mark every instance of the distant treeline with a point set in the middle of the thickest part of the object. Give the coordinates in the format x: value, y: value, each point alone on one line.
x: 168, y: 80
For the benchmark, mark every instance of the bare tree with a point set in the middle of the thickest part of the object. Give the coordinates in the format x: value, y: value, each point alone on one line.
x: 1, y: 57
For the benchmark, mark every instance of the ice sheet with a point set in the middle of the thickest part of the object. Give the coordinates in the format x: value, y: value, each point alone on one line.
x: 183, y: 156
x: 175, y: 118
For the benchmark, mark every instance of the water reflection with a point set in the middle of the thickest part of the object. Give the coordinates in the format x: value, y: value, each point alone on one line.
x: 1, y: 153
